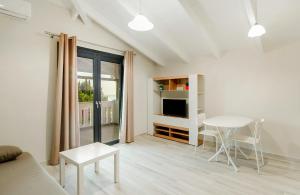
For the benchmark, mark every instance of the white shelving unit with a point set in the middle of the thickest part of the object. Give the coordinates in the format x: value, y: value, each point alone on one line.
x: 176, y: 128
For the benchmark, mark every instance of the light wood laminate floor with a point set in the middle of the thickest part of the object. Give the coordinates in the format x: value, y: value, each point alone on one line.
x: 156, y: 166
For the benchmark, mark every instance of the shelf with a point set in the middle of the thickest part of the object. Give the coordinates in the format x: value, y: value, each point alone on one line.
x: 170, y: 78
x: 188, y: 87
x: 183, y: 134
x: 179, y: 134
x: 172, y: 138
x: 172, y: 83
x: 170, y: 126
x: 171, y: 116
x: 164, y: 130
x: 175, y: 91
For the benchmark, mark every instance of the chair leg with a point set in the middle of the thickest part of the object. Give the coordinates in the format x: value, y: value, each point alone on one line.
x: 203, y: 142
x: 257, y: 163
x: 229, y: 151
x: 197, y: 142
x: 235, y: 150
x: 217, y: 147
x: 261, y: 154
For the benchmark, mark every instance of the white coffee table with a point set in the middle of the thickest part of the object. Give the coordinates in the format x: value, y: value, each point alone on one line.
x: 85, y: 155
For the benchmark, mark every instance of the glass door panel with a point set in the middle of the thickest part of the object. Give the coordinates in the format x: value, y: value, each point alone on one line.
x: 110, y: 101
x: 85, y: 82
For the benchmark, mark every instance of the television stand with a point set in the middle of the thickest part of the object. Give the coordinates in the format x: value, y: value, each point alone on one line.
x: 180, y: 129
x: 179, y: 134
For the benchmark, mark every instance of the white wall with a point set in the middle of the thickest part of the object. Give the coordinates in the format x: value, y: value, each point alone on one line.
x: 256, y: 85
x: 141, y: 76
x: 28, y: 69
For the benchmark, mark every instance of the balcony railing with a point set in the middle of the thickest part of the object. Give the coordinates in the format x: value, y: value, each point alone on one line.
x: 109, y: 113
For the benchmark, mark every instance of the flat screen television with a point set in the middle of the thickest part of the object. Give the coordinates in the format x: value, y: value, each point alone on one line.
x: 175, y: 107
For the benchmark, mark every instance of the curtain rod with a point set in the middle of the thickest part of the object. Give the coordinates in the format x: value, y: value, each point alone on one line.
x: 52, y: 35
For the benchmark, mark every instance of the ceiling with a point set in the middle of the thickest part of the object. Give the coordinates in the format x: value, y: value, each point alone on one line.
x: 186, y: 30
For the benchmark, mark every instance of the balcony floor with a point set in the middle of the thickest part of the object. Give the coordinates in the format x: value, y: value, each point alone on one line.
x: 108, y: 133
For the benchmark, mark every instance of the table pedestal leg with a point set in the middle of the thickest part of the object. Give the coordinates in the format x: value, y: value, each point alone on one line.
x: 241, y: 151
x: 97, y: 167
x: 216, y: 154
x: 230, y: 160
x: 62, y: 172
x: 223, y: 148
x: 116, y: 167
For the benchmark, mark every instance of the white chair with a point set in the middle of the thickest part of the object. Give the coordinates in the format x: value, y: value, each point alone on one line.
x: 254, y: 140
x: 206, y: 132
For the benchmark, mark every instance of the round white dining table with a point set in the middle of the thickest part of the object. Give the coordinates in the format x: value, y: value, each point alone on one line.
x: 228, y: 123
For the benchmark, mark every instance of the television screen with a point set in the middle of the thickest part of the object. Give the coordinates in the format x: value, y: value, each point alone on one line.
x: 175, y: 107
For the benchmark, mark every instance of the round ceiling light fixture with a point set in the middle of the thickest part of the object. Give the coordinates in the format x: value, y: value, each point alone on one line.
x: 140, y: 22
x: 256, y: 30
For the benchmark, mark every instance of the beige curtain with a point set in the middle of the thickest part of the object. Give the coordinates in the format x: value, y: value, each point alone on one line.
x: 66, y: 129
x: 127, y: 131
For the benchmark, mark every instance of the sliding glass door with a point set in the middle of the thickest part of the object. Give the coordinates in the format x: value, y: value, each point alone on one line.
x: 86, y: 91
x: 110, y: 101
x: 100, y: 87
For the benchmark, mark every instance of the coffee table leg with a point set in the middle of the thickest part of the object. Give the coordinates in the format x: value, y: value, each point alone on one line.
x: 116, y: 167
x: 80, y: 180
x: 97, y: 167
x: 62, y: 171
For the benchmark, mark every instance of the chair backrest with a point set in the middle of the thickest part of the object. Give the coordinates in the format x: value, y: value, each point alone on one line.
x: 258, y: 127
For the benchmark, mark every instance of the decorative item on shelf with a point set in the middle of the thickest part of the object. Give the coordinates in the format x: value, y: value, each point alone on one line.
x: 180, y: 87
x: 187, y: 86
x: 161, y: 87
